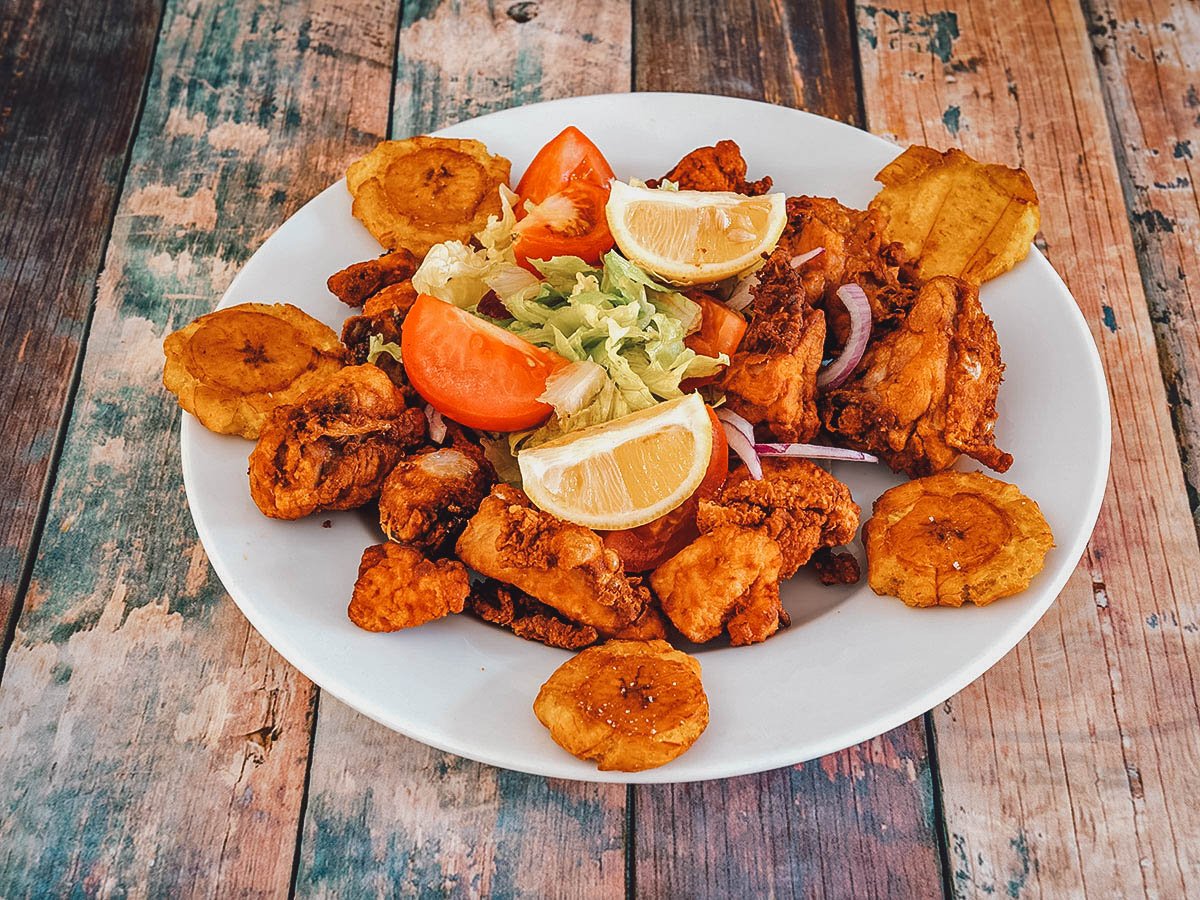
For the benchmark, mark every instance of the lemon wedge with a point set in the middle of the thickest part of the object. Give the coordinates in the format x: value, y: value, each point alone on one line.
x: 694, y: 237
x: 623, y: 473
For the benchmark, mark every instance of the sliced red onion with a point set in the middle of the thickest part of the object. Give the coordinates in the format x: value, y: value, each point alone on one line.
x: 798, y: 261
x: 744, y: 449
x: 859, y: 307
x: 814, y: 451
x: 437, y: 425
x: 743, y: 295
x: 729, y: 417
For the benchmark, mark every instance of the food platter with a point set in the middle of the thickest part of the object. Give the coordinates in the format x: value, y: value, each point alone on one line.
x: 851, y: 666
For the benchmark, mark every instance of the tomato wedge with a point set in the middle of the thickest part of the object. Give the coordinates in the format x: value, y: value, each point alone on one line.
x: 472, y: 371
x: 568, y: 157
x: 569, y: 223
x: 649, y: 546
x: 721, y: 331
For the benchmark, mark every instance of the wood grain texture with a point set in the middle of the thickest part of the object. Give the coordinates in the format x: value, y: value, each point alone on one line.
x: 1150, y: 73
x: 1072, y: 765
x: 152, y: 744
x: 857, y: 823
x: 424, y: 822
x: 65, y: 132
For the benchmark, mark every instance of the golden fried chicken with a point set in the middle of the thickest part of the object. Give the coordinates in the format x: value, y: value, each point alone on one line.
x: 853, y: 252
x: 796, y: 503
x: 427, y: 498
x: 725, y: 580
x: 628, y: 705
x: 925, y: 392
x: 528, y: 618
x: 772, y: 378
x: 719, y: 168
x: 354, y: 284
x: 398, y: 587
x: 563, y: 565
x: 333, y: 448
x: 358, y: 333
x: 398, y: 297
x: 835, y: 568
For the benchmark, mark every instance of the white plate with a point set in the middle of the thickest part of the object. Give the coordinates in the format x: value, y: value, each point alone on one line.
x: 853, y: 665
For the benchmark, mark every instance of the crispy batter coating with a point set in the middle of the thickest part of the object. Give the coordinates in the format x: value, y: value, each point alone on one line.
x: 333, y: 448
x: 772, y: 378
x: 725, y: 580
x: 956, y: 216
x: 796, y: 503
x: 398, y: 298
x: 719, y: 168
x: 415, y: 193
x: 955, y: 538
x: 398, y: 588
x: 854, y: 252
x: 628, y: 705
x: 355, y: 283
x: 835, y: 568
x: 561, y: 564
x: 230, y: 368
x: 427, y: 498
x: 357, y: 332
x: 528, y: 618
x: 926, y: 392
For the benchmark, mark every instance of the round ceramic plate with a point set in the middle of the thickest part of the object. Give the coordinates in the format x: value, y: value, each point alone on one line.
x: 851, y: 666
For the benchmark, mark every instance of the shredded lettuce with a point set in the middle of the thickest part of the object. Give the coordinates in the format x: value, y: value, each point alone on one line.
x: 378, y: 345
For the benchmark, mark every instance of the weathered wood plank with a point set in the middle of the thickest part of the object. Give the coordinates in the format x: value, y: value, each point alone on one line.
x: 71, y: 82
x: 1150, y: 73
x: 857, y: 823
x: 425, y: 821
x: 1073, y: 764
x: 152, y: 744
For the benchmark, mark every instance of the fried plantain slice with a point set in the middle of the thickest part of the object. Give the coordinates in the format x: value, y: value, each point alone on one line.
x: 398, y: 587
x: 956, y: 537
x: 231, y: 367
x: 628, y: 705
x: 418, y: 192
x: 957, y: 216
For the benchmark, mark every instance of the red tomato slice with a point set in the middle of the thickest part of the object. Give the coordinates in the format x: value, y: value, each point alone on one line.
x: 472, y: 371
x: 649, y: 546
x: 568, y: 157
x: 570, y: 222
x: 721, y: 331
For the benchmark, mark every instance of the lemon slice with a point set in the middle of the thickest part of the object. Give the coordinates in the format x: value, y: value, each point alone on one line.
x: 694, y: 237
x: 623, y: 473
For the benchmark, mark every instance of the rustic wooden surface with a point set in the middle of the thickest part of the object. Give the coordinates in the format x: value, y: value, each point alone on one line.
x: 153, y: 745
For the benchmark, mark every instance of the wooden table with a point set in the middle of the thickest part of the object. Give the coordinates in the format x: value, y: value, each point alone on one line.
x: 151, y: 744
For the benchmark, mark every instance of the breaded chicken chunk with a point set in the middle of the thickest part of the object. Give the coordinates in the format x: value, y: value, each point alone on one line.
x: 925, y: 392
x: 398, y: 587
x: 427, y: 498
x: 563, y: 565
x: 719, y: 168
x: 725, y: 580
x: 528, y: 618
x: 796, y: 503
x: 333, y: 448
x: 772, y: 378
x: 354, y: 284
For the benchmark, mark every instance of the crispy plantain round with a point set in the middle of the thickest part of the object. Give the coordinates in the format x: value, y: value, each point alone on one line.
x: 230, y: 368
x: 628, y: 705
x: 954, y: 538
x: 418, y: 192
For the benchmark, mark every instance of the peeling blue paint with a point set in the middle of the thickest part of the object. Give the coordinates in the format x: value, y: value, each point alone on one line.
x: 1110, y: 317
x: 1183, y: 150
x: 951, y: 117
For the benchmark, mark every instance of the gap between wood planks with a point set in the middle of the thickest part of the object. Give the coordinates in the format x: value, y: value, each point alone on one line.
x: 64, y: 421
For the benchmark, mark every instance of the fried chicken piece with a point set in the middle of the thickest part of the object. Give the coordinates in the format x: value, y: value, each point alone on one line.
x: 354, y: 284
x: 628, y: 705
x: 719, y: 168
x: 398, y: 297
x: 334, y: 447
x: 528, y: 618
x: 725, y: 580
x: 854, y: 251
x: 398, y: 587
x: 563, y: 565
x: 926, y: 392
x: 796, y: 503
x: 835, y: 568
x: 772, y: 378
x: 427, y: 498
x: 357, y: 332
